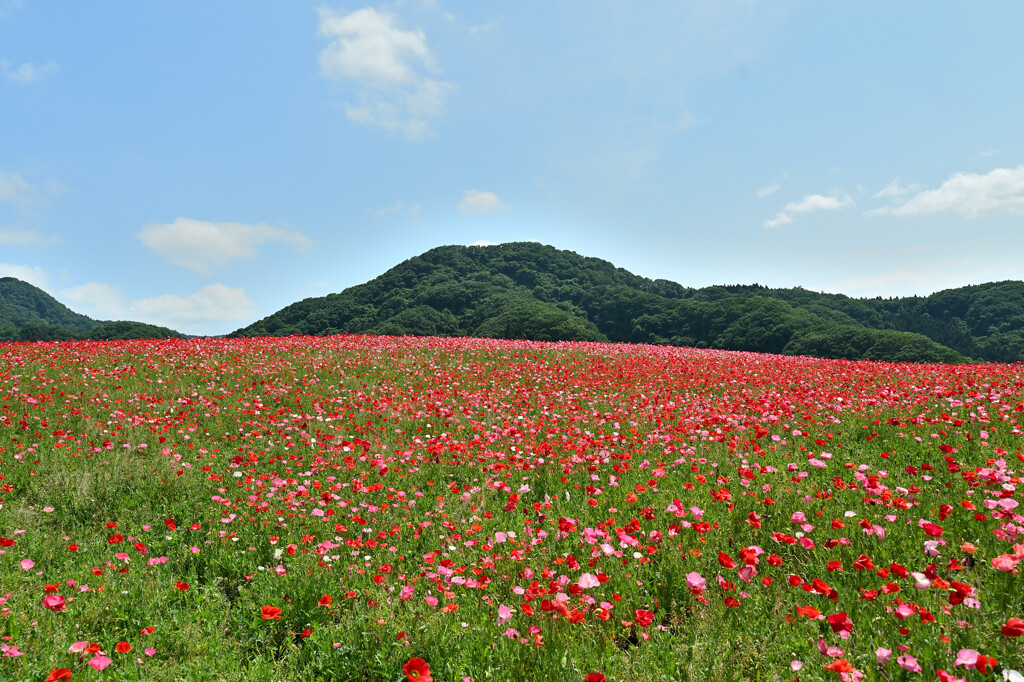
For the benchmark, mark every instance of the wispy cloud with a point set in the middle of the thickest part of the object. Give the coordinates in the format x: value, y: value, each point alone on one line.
x: 969, y: 195
x: 771, y: 189
x: 27, y: 72
x: 200, y: 244
x: 99, y: 300
x: 895, y: 189
x: 391, y: 66
x: 819, y: 202
x: 480, y: 29
x: 476, y: 201
x: 779, y: 220
x: 399, y: 207
x: 12, y: 236
x: 17, y: 191
x: 33, y: 274
x: 7, y: 5
x: 811, y: 202
x: 212, y: 305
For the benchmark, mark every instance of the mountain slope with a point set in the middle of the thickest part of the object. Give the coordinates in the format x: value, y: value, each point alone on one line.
x: 532, y: 291
x: 22, y: 304
x: 27, y: 313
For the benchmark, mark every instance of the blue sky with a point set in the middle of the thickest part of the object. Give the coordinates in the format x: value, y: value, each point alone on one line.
x: 202, y: 164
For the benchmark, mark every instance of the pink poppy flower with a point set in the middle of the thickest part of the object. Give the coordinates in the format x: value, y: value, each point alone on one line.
x: 694, y: 581
x: 908, y: 662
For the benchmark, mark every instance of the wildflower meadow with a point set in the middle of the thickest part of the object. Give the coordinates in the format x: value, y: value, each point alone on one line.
x: 386, y: 509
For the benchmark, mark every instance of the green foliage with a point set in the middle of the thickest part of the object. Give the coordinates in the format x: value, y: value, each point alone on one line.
x: 27, y: 313
x: 532, y: 291
x: 22, y: 304
x: 123, y: 330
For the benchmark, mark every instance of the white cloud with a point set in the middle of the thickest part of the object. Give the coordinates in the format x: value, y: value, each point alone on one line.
x: 27, y: 72
x: 17, y: 191
x: 389, y: 63
x: 98, y: 300
x: 969, y: 195
x: 985, y: 154
x: 769, y: 190
x: 398, y: 207
x: 811, y: 202
x: 779, y: 220
x: 475, y: 201
x: 895, y: 189
x: 212, y: 305
x: 483, y: 242
x: 33, y: 274
x: 12, y: 236
x: 482, y: 28
x: 199, y: 244
x: 819, y: 202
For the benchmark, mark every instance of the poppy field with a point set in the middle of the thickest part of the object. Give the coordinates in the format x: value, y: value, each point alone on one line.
x: 381, y: 508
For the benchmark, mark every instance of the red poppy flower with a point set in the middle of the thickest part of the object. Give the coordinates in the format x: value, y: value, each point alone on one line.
x: 1014, y: 627
x: 269, y: 612
x: 59, y: 675
x: 643, y: 618
x: 417, y: 670
x: 325, y: 600
x: 122, y: 647
x: 808, y: 611
x: 181, y: 586
x: 840, y: 665
x: 595, y: 677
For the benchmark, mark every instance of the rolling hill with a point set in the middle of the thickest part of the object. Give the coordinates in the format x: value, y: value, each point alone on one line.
x: 27, y: 313
x: 533, y: 291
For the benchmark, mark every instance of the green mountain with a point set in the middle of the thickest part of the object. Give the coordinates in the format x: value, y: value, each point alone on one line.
x: 27, y: 313
x: 532, y: 291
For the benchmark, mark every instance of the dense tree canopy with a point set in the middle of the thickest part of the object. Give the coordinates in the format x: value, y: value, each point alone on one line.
x: 27, y: 313
x: 532, y: 291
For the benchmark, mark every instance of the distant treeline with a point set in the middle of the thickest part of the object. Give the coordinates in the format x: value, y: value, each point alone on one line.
x: 40, y: 331
x: 532, y: 291
x: 27, y: 313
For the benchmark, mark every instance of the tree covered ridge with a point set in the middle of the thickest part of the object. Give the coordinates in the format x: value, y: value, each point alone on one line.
x: 27, y: 313
x: 533, y: 291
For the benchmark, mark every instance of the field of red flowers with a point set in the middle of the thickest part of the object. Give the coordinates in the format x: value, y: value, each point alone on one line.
x: 372, y: 508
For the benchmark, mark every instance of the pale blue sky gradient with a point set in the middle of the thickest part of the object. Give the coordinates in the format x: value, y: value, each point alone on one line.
x: 202, y: 164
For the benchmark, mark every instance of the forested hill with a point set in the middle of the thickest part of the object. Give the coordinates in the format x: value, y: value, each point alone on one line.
x: 532, y: 291
x: 27, y: 313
